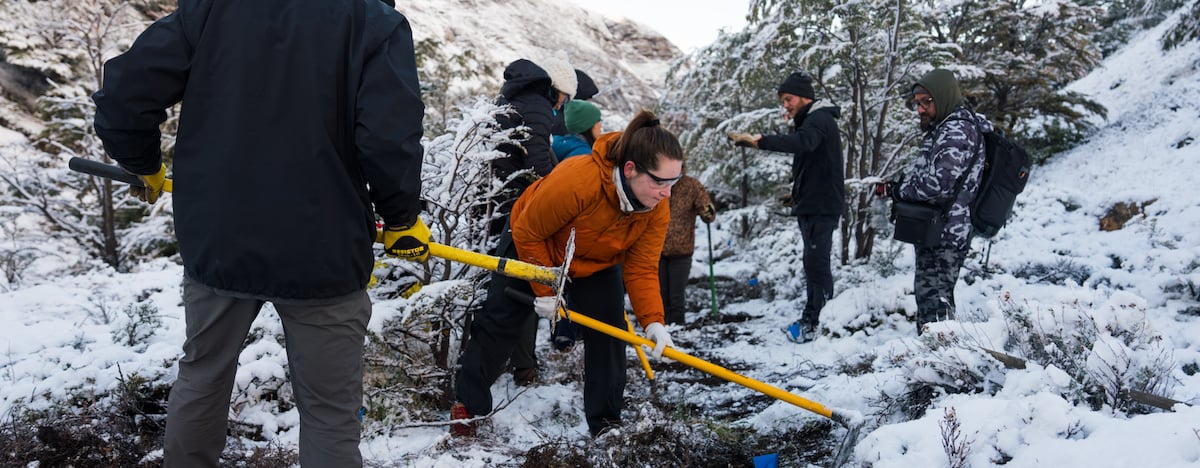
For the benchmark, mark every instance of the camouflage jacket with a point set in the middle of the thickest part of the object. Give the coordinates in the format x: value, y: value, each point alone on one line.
x: 946, y: 151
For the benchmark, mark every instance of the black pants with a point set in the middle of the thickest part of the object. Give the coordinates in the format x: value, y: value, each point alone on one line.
x: 497, y: 327
x: 673, y: 275
x: 817, y: 233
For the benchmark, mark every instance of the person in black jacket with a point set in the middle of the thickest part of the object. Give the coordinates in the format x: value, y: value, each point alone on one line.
x: 293, y: 108
x: 536, y: 91
x: 818, y: 187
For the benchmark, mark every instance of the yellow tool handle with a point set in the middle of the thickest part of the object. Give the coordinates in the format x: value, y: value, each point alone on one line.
x: 702, y: 365
x: 641, y: 354
x: 850, y: 419
x: 505, y: 266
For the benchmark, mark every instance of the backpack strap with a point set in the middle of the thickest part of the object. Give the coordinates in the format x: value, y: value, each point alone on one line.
x: 962, y: 178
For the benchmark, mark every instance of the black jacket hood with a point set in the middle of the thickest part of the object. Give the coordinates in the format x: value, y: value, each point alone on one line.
x: 523, y: 75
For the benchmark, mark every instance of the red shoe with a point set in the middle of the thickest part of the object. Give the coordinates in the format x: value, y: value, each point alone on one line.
x: 467, y: 429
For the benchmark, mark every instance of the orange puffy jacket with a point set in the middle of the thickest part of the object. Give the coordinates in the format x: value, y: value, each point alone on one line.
x: 581, y: 193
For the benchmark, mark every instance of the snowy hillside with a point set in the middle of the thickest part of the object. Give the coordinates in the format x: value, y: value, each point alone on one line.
x: 1128, y: 296
x: 628, y: 61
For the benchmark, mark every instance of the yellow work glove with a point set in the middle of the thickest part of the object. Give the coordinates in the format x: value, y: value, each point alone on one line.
x: 407, y: 242
x: 153, y: 185
x: 744, y: 139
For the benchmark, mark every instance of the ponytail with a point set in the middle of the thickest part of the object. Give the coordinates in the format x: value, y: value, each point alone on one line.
x: 643, y: 140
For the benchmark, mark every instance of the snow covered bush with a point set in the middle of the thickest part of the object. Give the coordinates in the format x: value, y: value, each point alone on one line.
x: 137, y: 324
x: 952, y: 362
x: 1108, y: 350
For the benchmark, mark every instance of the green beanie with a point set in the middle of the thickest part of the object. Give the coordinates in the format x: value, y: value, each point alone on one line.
x: 943, y: 87
x: 579, y: 116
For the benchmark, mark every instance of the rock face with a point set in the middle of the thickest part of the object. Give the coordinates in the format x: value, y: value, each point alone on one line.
x: 628, y: 61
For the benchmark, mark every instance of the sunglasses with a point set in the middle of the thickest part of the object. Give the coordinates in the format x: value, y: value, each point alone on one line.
x: 922, y: 103
x: 662, y: 182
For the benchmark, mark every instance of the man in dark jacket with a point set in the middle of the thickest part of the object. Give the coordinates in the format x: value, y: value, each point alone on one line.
x: 952, y: 148
x: 293, y: 108
x: 818, y: 187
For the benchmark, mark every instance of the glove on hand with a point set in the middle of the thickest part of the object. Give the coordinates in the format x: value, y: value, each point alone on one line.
x: 546, y: 307
x: 881, y: 189
x: 708, y: 213
x: 657, y: 333
x: 744, y: 139
x: 407, y: 242
x: 152, y: 185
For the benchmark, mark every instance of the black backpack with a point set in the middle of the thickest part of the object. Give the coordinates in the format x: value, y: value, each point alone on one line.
x: 1005, y: 172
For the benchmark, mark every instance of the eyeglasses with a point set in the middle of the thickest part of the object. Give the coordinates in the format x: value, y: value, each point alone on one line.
x: 922, y: 103
x: 660, y: 181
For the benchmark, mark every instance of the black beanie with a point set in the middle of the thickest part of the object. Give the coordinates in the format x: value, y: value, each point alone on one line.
x: 799, y: 84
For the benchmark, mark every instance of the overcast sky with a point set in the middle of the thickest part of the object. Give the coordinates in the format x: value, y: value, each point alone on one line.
x: 688, y: 23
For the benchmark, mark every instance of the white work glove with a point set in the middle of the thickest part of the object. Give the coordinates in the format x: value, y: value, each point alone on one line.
x: 546, y: 307
x: 745, y: 139
x: 657, y: 333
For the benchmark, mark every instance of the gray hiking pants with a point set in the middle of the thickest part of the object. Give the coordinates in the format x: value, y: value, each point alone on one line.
x: 324, y: 341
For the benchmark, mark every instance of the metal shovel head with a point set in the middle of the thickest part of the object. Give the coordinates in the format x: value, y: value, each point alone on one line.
x: 564, y: 276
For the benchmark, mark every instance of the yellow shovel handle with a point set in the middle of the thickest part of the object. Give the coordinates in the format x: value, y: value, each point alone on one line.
x: 641, y: 354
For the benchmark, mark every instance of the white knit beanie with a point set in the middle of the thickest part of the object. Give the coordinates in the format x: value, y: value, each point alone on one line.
x: 562, y: 74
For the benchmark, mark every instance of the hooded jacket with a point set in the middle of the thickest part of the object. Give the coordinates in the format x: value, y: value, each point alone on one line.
x: 528, y: 88
x: 292, y: 108
x: 818, y: 175
x: 953, y: 145
x: 585, y: 193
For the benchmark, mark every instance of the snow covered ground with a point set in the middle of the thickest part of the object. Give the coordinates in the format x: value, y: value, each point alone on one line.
x: 64, y: 332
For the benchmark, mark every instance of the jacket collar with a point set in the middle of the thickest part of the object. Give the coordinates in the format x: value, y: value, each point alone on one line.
x: 629, y: 203
x: 625, y: 200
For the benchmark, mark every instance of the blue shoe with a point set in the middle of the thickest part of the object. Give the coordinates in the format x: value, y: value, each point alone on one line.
x: 794, y: 334
x: 797, y: 333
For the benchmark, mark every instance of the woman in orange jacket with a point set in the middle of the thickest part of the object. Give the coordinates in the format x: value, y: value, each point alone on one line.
x: 612, y: 201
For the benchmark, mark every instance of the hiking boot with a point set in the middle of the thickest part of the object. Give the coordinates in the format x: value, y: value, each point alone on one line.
x: 563, y: 344
x: 606, y: 428
x: 466, y: 429
x: 525, y: 377
x: 808, y: 332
